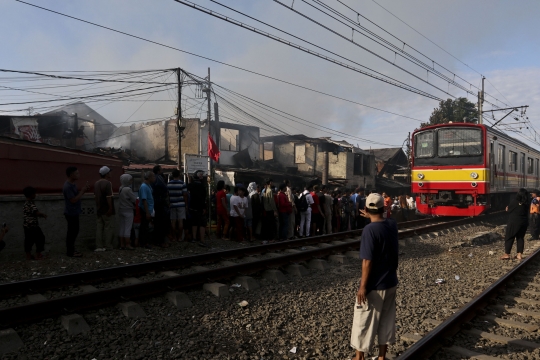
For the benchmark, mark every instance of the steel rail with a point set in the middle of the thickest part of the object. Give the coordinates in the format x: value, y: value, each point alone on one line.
x: 112, y: 273
x: 439, y: 337
x: 44, y: 309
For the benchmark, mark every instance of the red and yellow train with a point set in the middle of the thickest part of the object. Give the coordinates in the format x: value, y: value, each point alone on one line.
x: 465, y: 169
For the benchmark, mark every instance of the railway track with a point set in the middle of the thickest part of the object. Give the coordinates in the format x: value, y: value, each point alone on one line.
x: 152, y: 278
x: 479, y: 330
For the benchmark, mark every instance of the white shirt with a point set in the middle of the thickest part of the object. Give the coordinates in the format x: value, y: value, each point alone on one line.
x: 241, y: 204
x: 411, y: 203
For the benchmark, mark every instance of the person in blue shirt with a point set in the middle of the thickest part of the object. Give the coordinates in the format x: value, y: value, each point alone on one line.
x: 146, y: 205
x: 375, y: 307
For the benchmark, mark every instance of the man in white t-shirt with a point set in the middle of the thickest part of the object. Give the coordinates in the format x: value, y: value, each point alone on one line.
x: 239, y: 204
x: 305, y: 202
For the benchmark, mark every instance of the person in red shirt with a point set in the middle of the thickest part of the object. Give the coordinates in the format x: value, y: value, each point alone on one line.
x: 285, y: 210
x: 387, y: 205
x: 222, y: 211
x: 316, y: 213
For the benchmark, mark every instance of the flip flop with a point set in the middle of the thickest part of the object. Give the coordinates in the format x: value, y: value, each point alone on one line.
x: 505, y: 258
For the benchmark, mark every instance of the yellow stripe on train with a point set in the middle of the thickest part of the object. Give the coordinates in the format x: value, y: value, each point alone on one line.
x: 451, y: 175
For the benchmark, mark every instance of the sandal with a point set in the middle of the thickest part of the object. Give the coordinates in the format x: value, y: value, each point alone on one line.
x: 504, y: 257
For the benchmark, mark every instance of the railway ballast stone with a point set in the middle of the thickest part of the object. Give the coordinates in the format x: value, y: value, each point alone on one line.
x: 179, y: 299
x: 340, y: 259
x: 74, y: 324
x: 482, y: 238
x: 218, y: 289
x: 353, y: 254
x: 87, y: 288
x: 10, y: 342
x: 132, y: 309
x: 35, y: 298
x: 247, y: 282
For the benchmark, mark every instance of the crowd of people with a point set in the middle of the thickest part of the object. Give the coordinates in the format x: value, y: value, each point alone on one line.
x: 166, y: 210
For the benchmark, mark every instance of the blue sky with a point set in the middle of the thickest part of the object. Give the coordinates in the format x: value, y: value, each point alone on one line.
x: 497, y: 38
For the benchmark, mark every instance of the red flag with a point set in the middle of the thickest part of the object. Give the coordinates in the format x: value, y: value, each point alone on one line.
x: 213, y: 150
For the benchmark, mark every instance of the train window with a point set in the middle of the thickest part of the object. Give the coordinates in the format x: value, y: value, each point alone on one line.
x: 512, y: 161
x: 423, y: 144
x: 500, y: 157
x: 460, y: 142
x: 530, y: 166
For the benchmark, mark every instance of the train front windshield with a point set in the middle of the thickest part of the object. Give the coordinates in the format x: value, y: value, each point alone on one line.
x: 448, y: 146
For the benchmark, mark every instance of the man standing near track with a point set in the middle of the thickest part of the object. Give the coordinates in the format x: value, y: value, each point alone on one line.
x: 375, y: 307
x: 535, y: 215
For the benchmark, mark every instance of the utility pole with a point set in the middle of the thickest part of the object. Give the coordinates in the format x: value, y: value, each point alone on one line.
x: 481, y: 102
x: 179, y: 128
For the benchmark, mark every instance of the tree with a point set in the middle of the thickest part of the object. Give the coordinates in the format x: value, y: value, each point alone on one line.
x: 459, y: 110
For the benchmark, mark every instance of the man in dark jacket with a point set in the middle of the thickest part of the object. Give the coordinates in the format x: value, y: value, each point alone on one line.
x: 161, y: 207
x: 198, y: 205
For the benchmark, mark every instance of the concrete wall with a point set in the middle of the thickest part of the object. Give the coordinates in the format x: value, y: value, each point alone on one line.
x: 284, y: 155
x: 248, y: 139
x: 149, y: 141
x: 54, y: 227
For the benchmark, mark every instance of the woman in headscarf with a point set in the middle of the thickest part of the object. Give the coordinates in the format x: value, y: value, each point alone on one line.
x: 518, y: 221
x: 252, y: 189
x: 126, y: 206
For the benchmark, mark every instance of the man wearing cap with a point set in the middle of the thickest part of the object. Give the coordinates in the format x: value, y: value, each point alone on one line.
x: 375, y: 306
x: 105, y: 210
x: 535, y: 215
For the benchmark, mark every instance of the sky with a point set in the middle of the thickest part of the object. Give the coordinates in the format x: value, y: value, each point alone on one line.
x: 498, y: 39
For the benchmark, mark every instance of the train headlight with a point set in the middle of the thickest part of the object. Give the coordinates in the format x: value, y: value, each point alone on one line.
x: 474, y: 175
x: 420, y: 176
x: 421, y: 184
x: 474, y: 184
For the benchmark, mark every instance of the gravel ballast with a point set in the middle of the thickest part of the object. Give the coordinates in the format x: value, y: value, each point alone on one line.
x: 312, y: 314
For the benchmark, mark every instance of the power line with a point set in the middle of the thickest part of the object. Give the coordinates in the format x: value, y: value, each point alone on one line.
x: 212, y: 60
x: 381, y: 77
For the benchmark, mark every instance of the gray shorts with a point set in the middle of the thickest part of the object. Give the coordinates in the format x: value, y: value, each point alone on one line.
x: 178, y: 213
x: 248, y: 222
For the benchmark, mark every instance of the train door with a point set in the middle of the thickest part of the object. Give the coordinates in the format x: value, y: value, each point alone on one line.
x: 522, y: 170
x: 501, y: 166
x: 537, y: 174
x: 492, y: 166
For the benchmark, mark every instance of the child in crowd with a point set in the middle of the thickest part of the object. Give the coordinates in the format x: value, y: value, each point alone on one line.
x: 32, y: 231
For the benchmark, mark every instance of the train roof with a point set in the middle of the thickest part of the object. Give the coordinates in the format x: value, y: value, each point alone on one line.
x: 488, y: 128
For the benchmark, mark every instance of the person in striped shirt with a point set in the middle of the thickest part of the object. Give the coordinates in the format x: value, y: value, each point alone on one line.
x: 178, y: 198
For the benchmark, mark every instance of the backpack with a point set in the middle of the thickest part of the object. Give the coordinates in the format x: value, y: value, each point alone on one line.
x: 303, y: 205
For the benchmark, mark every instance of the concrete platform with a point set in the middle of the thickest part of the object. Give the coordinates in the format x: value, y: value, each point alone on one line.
x: 297, y: 270
x: 340, y: 259
x: 132, y: 309
x: 274, y: 276
x: 35, y: 298
x: 179, y: 299
x: 318, y: 264
x: 247, y: 282
x: 88, y: 288
x: 74, y: 324
x: 10, y: 342
x: 218, y: 289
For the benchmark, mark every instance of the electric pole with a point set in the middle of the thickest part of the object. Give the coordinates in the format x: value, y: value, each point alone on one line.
x: 481, y: 102
x: 179, y: 128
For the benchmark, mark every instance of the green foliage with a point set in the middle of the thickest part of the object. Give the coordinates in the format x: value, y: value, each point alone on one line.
x: 456, y: 111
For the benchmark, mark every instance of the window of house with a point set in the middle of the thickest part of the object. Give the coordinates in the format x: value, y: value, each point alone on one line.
x: 357, y: 165
x: 268, y: 151
x: 299, y: 153
x: 229, y: 140
x: 512, y: 161
x: 530, y: 166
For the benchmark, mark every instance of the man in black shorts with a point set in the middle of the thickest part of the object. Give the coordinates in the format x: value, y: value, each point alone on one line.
x: 198, y: 206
